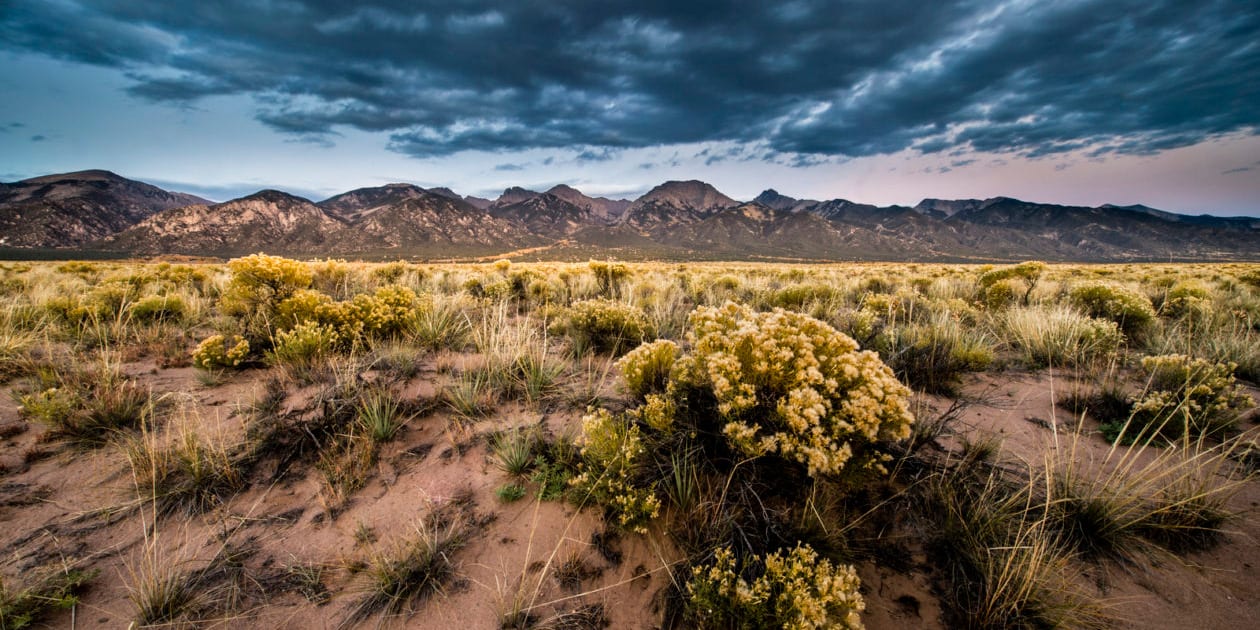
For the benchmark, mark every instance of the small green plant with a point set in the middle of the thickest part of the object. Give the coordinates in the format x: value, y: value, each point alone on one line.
x: 45, y: 591
x: 797, y: 589
x: 379, y: 415
x: 510, y: 492
x: 514, y: 451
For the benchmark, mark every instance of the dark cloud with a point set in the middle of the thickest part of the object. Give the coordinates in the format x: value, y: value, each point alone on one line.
x: 509, y: 167
x: 1242, y: 169
x: 803, y: 81
x: 39, y: 137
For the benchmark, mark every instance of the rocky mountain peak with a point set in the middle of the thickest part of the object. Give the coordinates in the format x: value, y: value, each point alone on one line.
x: 691, y: 194
x: 514, y: 194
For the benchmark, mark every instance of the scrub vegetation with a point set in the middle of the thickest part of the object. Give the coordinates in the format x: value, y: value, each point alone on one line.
x: 758, y: 438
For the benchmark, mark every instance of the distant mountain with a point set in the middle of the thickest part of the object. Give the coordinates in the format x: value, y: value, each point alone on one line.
x: 101, y: 211
x: 72, y: 209
x: 513, y: 195
x: 944, y: 208
x: 478, y: 202
x: 771, y: 198
x: 432, y: 225
x: 267, y: 220
x: 354, y: 205
x: 674, y: 203
x: 546, y: 215
x: 603, y: 208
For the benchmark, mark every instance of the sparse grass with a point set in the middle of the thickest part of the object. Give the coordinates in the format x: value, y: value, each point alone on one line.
x: 86, y: 408
x: 472, y: 395
x: 1007, y: 542
x: 188, y: 473
x: 1058, y: 336
x: 398, y: 578
x: 41, y: 591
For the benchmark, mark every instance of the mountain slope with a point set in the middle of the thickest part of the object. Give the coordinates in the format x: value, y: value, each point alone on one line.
x: 72, y: 209
x: 268, y: 220
x: 674, y: 203
x: 546, y: 215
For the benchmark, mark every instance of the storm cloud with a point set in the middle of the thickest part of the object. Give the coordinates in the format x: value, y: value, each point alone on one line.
x: 802, y: 81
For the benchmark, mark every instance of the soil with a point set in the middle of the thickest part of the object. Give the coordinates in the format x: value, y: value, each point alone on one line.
x: 291, y: 557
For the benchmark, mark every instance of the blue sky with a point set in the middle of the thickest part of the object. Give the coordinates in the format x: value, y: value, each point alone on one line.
x: 1084, y: 102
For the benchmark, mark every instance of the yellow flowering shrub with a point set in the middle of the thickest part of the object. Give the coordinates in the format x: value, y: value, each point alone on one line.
x: 604, y: 325
x: 260, y: 282
x: 610, y: 446
x: 796, y: 591
x: 303, y: 344
x: 1187, y: 395
x: 788, y: 384
x: 304, y: 305
x: 1186, y: 299
x: 645, y: 369
x: 1129, y: 309
x: 218, y: 351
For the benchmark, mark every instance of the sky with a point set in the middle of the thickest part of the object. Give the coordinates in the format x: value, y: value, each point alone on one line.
x: 877, y: 101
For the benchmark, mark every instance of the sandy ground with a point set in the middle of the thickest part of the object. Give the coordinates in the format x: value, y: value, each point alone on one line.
x: 58, y: 503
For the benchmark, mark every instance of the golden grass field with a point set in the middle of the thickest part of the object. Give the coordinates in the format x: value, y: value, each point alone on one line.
x: 276, y: 443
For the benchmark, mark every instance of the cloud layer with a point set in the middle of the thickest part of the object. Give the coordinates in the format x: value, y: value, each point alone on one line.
x: 794, y: 82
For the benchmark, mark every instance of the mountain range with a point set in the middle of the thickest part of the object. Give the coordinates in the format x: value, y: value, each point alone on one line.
x: 99, y: 213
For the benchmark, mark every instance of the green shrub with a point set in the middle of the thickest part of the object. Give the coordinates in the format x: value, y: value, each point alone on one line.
x: 604, y: 326
x: 259, y: 284
x: 217, y: 352
x: 610, y: 447
x: 303, y: 346
x: 1059, y: 335
x: 797, y: 590
x: 1002, y: 286
x: 1186, y: 396
x: 1186, y: 299
x: 158, y: 308
x: 1129, y: 309
x: 87, y: 408
x: 610, y: 277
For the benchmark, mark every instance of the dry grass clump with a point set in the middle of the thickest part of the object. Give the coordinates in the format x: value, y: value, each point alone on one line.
x: 87, y: 408
x: 188, y: 473
x: 422, y: 564
x: 1058, y: 335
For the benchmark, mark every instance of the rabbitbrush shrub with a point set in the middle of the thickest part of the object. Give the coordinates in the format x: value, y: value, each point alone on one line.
x: 787, y: 384
x: 604, y: 326
x: 1186, y: 396
x: 797, y: 590
x: 1129, y: 309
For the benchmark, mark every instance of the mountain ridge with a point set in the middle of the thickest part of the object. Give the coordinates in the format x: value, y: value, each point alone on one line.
x: 674, y: 219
